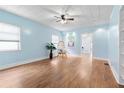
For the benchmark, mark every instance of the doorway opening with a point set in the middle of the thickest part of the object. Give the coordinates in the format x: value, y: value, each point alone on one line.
x: 86, y: 44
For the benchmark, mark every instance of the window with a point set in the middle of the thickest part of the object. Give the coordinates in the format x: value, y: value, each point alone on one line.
x: 9, y: 37
x: 55, y: 40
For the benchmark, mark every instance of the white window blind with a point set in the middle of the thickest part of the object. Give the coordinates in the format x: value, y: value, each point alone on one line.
x: 9, y: 37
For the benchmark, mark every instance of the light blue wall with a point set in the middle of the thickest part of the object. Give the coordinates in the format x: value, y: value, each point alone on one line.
x: 100, y: 43
x: 100, y: 40
x: 113, y: 42
x: 34, y: 37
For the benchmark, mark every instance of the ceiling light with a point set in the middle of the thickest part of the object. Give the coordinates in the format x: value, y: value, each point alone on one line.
x: 63, y: 21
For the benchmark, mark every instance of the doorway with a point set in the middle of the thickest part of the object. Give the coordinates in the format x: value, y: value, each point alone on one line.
x: 86, y: 44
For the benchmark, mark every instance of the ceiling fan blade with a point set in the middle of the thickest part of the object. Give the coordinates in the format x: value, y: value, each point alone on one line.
x: 80, y: 16
x: 65, y: 9
x: 70, y: 18
x: 58, y: 20
x: 57, y: 17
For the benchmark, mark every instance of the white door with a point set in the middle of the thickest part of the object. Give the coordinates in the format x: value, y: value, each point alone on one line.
x: 86, y: 44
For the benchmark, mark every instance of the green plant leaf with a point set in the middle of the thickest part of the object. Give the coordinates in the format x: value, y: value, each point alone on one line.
x: 50, y: 46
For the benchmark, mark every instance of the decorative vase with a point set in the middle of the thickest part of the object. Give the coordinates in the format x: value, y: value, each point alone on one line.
x: 51, y: 54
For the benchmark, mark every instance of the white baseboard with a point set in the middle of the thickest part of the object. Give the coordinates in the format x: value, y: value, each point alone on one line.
x: 100, y: 58
x: 112, y: 69
x: 116, y: 76
x: 114, y: 72
x: 21, y: 63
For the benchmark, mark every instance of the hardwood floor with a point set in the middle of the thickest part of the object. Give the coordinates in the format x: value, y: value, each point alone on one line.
x: 71, y: 72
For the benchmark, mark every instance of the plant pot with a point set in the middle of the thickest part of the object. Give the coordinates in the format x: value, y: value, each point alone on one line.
x: 51, y: 55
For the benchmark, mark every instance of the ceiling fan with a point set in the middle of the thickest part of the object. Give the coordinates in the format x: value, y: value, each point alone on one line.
x: 64, y: 18
x: 63, y: 15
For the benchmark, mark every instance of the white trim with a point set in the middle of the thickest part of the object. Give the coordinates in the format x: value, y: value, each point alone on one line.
x: 21, y: 63
x: 114, y: 72
x: 112, y: 69
x: 89, y: 33
x: 100, y: 58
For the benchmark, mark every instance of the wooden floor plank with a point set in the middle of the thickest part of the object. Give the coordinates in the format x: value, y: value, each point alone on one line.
x: 70, y: 72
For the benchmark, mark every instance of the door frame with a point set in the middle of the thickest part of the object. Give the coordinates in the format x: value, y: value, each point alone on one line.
x: 91, y: 41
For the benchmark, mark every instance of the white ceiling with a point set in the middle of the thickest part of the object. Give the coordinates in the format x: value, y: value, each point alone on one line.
x: 85, y: 15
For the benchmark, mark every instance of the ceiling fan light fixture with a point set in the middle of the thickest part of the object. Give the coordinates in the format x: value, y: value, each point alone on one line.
x: 63, y: 21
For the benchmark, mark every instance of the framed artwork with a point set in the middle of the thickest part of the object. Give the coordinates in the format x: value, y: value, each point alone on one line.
x: 71, y: 39
x: 71, y: 44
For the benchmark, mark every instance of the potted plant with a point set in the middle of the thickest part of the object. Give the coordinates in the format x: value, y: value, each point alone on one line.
x: 51, y: 47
